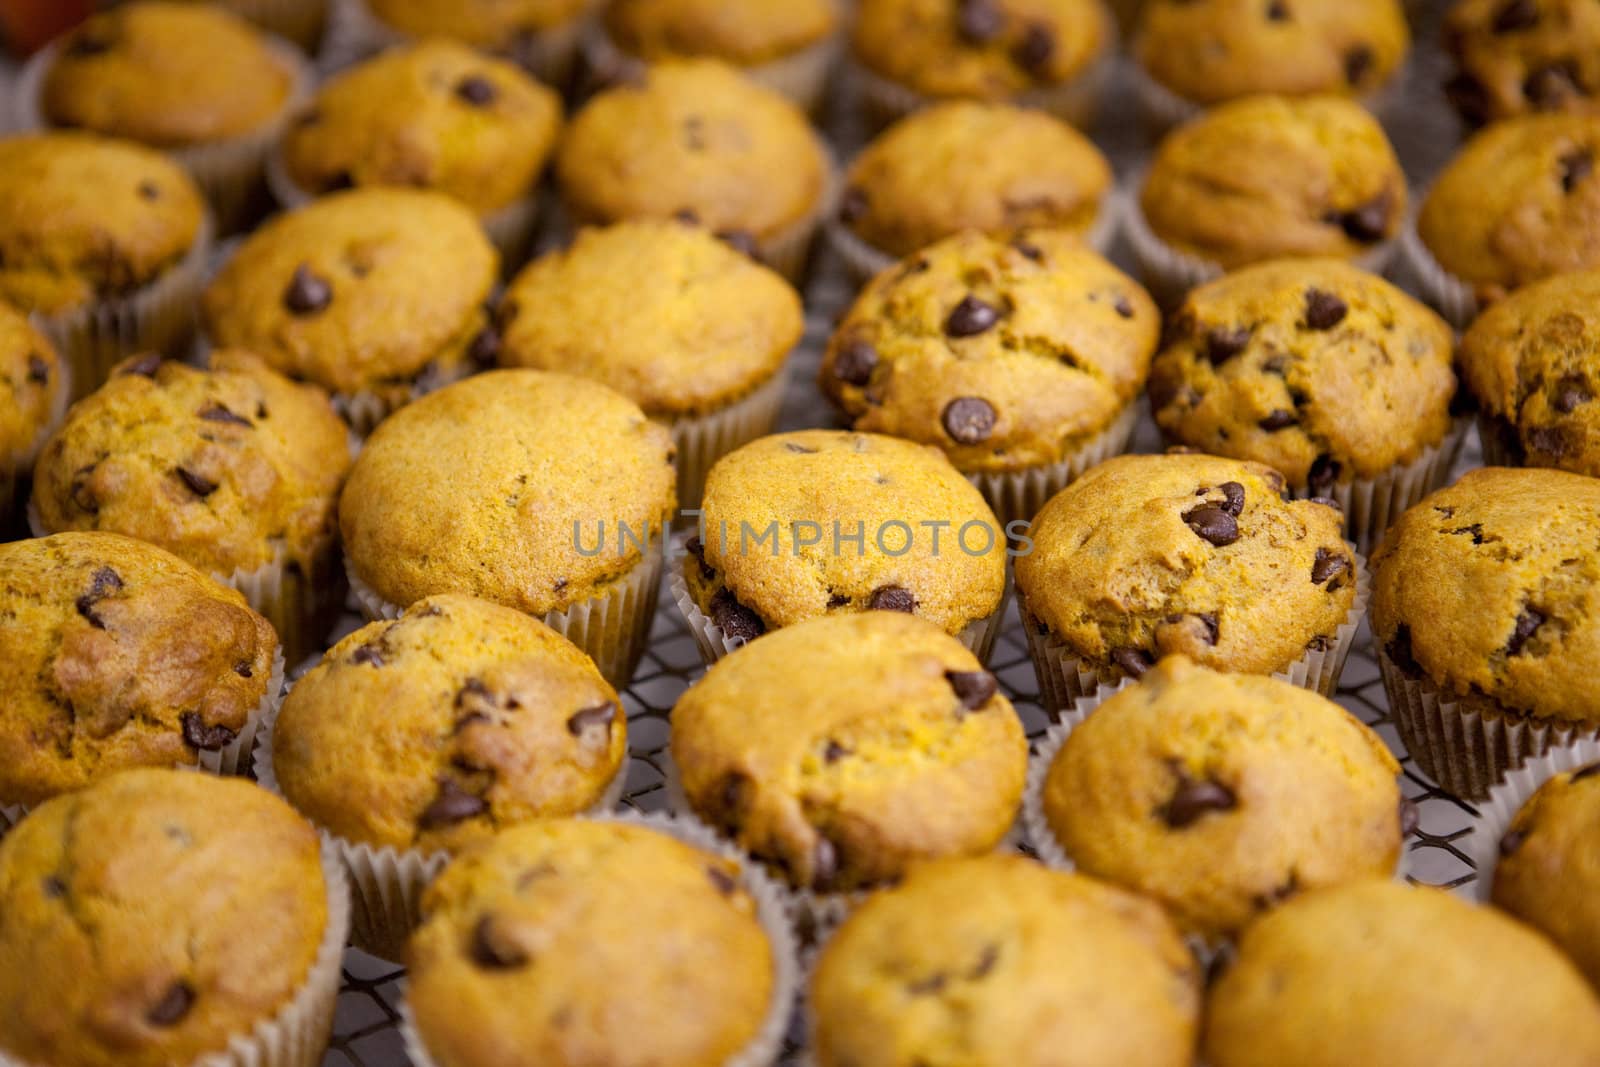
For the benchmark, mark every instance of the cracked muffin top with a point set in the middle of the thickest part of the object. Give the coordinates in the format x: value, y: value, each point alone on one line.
x: 565, y: 940
x: 809, y: 523
x: 898, y: 747
x: 31, y: 388
x: 1000, y: 960
x: 982, y: 49
x: 1490, y: 589
x: 231, y: 468
x: 436, y: 116
x: 117, y: 654
x: 1145, y: 556
x: 1317, y: 369
x: 433, y: 730
x: 120, y: 937
x: 1209, y: 51
x: 1518, y: 203
x: 746, y: 34
x: 1532, y: 361
x: 85, y: 218
x: 1005, y: 354
x: 965, y: 165
x: 494, y: 24
x: 1517, y: 56
x: 1190, y: 765
x: 1272, y: 176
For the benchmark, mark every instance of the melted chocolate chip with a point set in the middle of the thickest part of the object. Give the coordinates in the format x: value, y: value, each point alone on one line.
x: 1280, y: 419
x: 892, y: 598
x: 971, y: 317
x: 1133, y: 661
x: 244, y: 670
x: 722, y: 881
x: 1528, y: 622
x: 853, y: 362
x: 1358, y: 63
x: 206, y: 738
x: 145, y: 366
x: 173, y: 1005
x: 1034, y: 51
x: 1324, y: 310
x: 1277, y: 11
x: 601, y: 715
x: 476, y: 90
x: 104, y: 582
x: 1327, y: 565
x: 1324, y: 474
x: 1122, y: 306
x: 1212, y: 524
x: 493, y: 950
x: 1515, y: 15
x: 979, y: 21
x: 1570, y: 392
x: 737, y: 622
x: 1194, y: 799
x: 53, y: 887
x: 451, y: 805
x: 1222, y: 344
x: 197, y: 484
x: 219, y: 413
x: 149, y: 190
x: 373, y: 655
x: 973, y: 688
x: 1232, y: 498
x: 307, y: 293
x: 38, y: 370
x: 833, y: 752
x: 969, y: 420
x: 1369, y: 222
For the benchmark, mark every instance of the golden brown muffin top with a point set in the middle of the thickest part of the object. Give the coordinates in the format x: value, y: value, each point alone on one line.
x: 746, y: 33
x: 1517, y: 56
x: 481, y: 23
x: 31, y: 387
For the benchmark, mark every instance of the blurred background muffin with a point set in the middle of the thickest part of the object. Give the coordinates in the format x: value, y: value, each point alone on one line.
x: 34, y: 391
x: 1517, y: 56
x: 542, y: 36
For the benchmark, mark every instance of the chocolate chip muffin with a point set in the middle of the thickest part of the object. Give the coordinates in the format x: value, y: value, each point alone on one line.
x: 300, y: 21
x: 1486, y: 614
x: 1378, y: 972
x: 33, y: 396
x: 891, y: 745
x: 966, y: 165
x: 818, y: 522
x: 1517, y: 56
x: 1532, y: 362
x: 999, y: 960
x: 677, y: 321
x: 118, y: 654
x: 540, y: 35
x: 1020, y: 358
x: 377, y: 295
x: 156, y: 917
x: 236, y: 469
x: 1147, y: 556
x: 573, y: 941
x: 699, y: 142
x: 544, y: 492
x: 1221, y: 795
x: 1324, y: 372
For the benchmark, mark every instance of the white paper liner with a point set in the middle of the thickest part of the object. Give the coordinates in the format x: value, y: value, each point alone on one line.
x: 765, y: 1048
x: 1482, y: 844
x: 701, y: 440
x: 612, y: 628
x: 801, y: 76
x: 550, y: 55
x: 1466, y: 749
x: 1450, y: 296
x: 1160, y: 109
x: 1065, y: 678
x: 1018, y: 495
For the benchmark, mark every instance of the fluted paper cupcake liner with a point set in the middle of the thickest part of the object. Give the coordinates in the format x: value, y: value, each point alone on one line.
x: 1450, y: 296
x: 765, y: 1048
x: 1482, y: 845
x: 701, y: 440
x: 801, y: 77
x: 1065, y: 677
x: 1160, y: 109
x: 1468, y: 745
x: 387, y: 883
x: 550, y: 54
x: 1018, y: 495
x: 612, y: 627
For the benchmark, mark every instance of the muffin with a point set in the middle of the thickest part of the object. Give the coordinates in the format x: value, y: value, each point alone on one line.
x: 842, y: 750
x: 1021, y: 358
x: 235, y: 469
x: 118, y: 654
x: 697, y: 141
x: 1329, y: 375
x: 543, y: 492
x: 192, y: 79
x: 1516, y: 57
x: 921, y: 181
x: 417, y: 736
x: 1518, y: 203
x: 1486, y: 619
x: 1217, y: 795
x: 1532, y: 363
x: 300, y: 21
x: 786, y: 45
x: 156, y: 918
x: 821, y: 522
x: 33, y: 397
x: 541, y: 36
x: 1195, y: 54
x: 573, y: 941
x: 103, y: 242
x: 686, y: 327
x: 1049, y: 54
x: 999, y: 960
x: 377, y: 295
x: 436, y: 115
x: 1265, y: 178
x: 1377, y: 972
x: 1148, y: 556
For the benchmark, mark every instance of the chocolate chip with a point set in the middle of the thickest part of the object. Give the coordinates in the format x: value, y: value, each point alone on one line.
x: 1034, y: 51
x: 1028, y: 250
x: 38, y: 370
x: 207, y: 738
x: 1576, y: 165
x: 1277, y: 11
x: 1280, y: 419
x: 687, y: 215
x: 1551, y: 440
x: 1193, y: 799
x: 824, y: 863
x: 986, y: 963
x: 892, y: 598
x: 968, y: 420
x: 1583, y: 773
x: 741, y: 241
x: 1512, y: 841
x: 149, y: 190
x: 244, y: 670
x: 476, y: 90
x: 1222, y: 344
x: 978, y: 21
x: 1207, y: 621
x: 485, y: 348
x: 307, y: 293
x: 90, y: 41
x: 799, y: 449
x: 105, y: 582
x: 197, y: 484
x: 1213, y: 524
x: 973, y: 688
x: 737, y: 622
x: 373, y: 655
x: 53, y: 887
x: 1123, y: 306
x: 853, y: 205
x: 1550, y: 87
x: 1327, y: 565
x: 1528, y: 622
x: 722, y: 880
x: 1327, y: 502
x: 1324, y: 310
x: 1369, y: 222
x: 1324, y: 474
x: 1570, y: 392
x: 145, y: 366
x: 1232, y: 498
x: 601, y: 715
x: 1516, y: 15
x: 493, y: 950
x: 838, y: 600
x: 219, y: 413
x: 1358, y: 63
x: 1409, y: 817
x: 971, y: 317
x: 853, y: 362
x: 1133, y: 661
x: 451, y: 805
x: 173, y: 1005
x: 833, y: 752
x: 1468, y: 96
x: 929, y: 986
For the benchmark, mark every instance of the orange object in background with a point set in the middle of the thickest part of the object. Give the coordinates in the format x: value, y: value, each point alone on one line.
x: 29, y: 25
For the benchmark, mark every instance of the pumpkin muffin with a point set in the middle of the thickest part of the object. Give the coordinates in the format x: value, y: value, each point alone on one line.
x: 844, y: 749
x: 966, y: 165
x: 1000, y: 960
x: 697, y: 141
x: 573, y: 941
x: 118, y: 654
x: 1020, y: 358
x: 1517, y: 56
x: 236, y: 469
x: 1486, y: 615
x: 677, y: 321
x: 377, y: 295
x: 539, y: 35
x: 818, y: 522
x: 300, y: 21
x: 1147, y: 556
x: 1378, y: 972
x: 1532, y: 362
x: 33, y: 396
x: 158, y: 917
